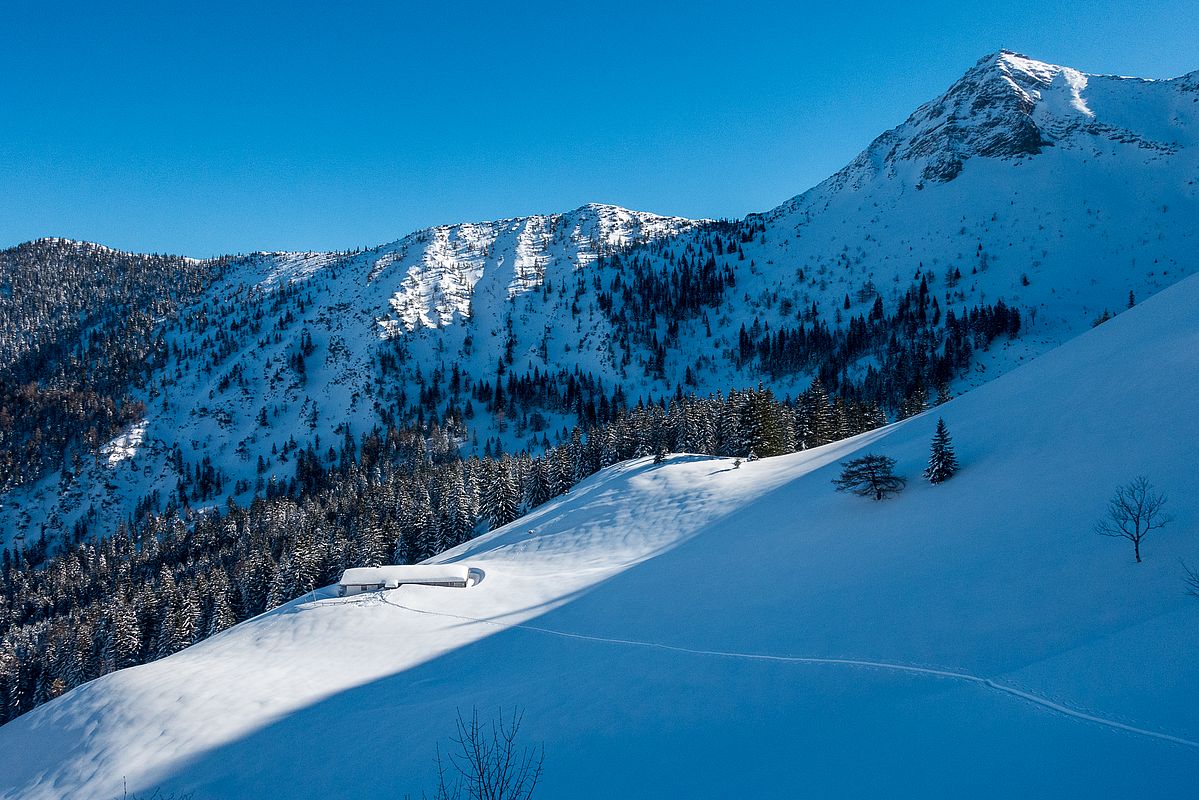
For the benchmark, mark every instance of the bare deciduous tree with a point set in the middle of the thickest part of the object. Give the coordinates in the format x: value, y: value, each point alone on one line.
x: 1133, y: 511
x: 487, y: 762
x: 1192, y: 580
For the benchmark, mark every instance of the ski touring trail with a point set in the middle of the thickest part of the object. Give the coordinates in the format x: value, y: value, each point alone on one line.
x: 965, y: 677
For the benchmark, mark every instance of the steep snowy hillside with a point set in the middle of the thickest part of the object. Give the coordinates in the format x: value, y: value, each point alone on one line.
x: 694, y: 629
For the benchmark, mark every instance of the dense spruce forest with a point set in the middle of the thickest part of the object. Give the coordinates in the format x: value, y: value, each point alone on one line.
x: 80, y: 333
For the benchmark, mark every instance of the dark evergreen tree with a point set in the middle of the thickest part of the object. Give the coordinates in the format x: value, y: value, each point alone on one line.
x: 942, y: 462
x: 817, y: 426
x: 221, y: 615
x: 870, y: 476
x: 767, y: 428
x: 123, y: 637
x: 458, y: 522
x: 916, y: 401
x: 499, y: 503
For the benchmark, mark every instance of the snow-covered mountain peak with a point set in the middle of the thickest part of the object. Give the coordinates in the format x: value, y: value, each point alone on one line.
x: 1012, y: 107
x: 1059, y: 193
x: 1019, y: 68
x: 1006, y: 106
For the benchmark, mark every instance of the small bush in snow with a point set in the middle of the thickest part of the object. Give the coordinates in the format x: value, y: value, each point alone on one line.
x: 486, y: 762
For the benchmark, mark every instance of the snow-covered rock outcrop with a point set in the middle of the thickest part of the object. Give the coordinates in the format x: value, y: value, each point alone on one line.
x: 441, y: 266
x: 1009, y: 106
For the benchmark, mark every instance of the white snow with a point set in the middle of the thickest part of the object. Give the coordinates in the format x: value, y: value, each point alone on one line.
x: 126, y: 445
x: 441, y: 266
x: 396, y: 574
x: 692, y: 629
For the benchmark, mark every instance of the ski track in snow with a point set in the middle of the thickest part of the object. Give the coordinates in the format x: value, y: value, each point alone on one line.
x: 845, y: 662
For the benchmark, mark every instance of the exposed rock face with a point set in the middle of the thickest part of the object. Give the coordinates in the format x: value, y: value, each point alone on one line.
x: 988, y: 113
x: 1006, y: 106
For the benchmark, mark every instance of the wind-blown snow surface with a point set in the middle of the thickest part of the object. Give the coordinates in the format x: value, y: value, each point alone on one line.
x: 693, y: 629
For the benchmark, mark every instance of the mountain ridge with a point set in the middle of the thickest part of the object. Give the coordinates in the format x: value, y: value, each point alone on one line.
x: 575, y: 294
x: 1025, y: 76
x: 1003, y: 80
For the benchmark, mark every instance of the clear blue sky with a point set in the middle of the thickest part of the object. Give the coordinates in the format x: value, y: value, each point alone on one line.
x: 215, y: 127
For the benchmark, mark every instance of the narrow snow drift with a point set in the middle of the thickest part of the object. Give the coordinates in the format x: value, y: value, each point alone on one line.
x: 693, y: 628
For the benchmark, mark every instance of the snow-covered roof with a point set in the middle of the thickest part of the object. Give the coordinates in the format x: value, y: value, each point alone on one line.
x: 405, y: 573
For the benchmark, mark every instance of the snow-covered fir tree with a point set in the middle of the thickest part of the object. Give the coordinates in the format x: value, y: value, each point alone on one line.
x: 942, y: 462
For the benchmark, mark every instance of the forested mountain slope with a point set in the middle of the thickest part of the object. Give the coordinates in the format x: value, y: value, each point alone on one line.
x: 185, y: 444
x: 1028, y: 201
x: 80, y: 338
x: 695, y: 627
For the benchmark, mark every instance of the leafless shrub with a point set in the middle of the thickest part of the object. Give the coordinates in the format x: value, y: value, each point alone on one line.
x: 1191, y: 580
x: 486, y: 762
x: 1133, y: 511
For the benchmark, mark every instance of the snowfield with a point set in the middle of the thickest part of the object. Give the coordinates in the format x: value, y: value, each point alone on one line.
x: 694, y: 629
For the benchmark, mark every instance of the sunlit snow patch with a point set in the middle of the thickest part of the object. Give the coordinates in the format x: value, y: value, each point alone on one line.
x: 126, y: 445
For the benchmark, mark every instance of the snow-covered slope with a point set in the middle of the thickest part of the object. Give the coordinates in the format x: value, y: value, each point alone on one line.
x: 230, y: 393
x: 1056, y: 191
x: 693, y: 629
x: 1009, y: 106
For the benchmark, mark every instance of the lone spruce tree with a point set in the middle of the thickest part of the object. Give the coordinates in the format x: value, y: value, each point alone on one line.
x: 942, y: 462
x: 870, y: 476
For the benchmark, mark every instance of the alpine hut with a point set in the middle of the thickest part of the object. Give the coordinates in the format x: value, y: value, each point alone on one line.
x: 357, y: 580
